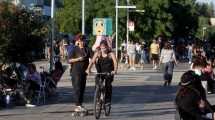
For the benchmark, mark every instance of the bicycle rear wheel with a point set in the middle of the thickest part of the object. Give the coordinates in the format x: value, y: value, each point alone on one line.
x: 97, y: 103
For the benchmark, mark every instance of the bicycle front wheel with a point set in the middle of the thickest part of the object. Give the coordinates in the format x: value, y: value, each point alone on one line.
x: 107, y: 109
x: 97, y: 103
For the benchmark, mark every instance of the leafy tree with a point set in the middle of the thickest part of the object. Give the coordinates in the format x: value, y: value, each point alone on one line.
x: 171, y: 18
x: 20, y: 34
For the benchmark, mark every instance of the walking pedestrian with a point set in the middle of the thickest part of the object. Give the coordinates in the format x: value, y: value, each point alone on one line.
x: 79, y: 61
x: 155, y: 50
x: 131, y: 54
x: 143, y: 53
x: 123, y: 52
x: 190, y: 52
x: 138, y: 49
x: 167, y: 59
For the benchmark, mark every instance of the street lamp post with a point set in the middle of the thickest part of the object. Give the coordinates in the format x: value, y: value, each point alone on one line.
x: 83, y: 17
x: 127, y: 30
x: 116, y: 29
x: 128, y: 10
x: 119, y: 7
x: 52, y: 34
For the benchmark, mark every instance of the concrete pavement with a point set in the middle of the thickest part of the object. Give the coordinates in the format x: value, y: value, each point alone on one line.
x: 137, y: 95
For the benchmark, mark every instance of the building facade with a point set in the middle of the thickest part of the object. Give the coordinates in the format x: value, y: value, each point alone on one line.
x: 37, y: 5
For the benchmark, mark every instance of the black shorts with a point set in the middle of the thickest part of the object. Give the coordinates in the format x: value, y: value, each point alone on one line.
x: 155, y: 57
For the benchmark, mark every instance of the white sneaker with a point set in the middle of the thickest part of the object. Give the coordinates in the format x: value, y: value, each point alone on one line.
x: 77, y: 108
x: 80, y: 108
x: 30, y: 105
x: 83, y: 108
x: 134, y: 68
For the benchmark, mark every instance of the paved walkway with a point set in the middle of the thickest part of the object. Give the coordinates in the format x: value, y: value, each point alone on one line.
x: 137, y: 95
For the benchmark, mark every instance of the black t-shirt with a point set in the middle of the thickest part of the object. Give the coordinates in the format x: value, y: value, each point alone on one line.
x: 104, y: 64
x: 57, y: 50
x: 80, y: 66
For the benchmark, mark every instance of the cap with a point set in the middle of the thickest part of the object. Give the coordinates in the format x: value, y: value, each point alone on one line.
x: 187, y: 78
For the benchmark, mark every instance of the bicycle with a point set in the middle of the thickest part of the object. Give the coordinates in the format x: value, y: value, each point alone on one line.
x: 99, y: 98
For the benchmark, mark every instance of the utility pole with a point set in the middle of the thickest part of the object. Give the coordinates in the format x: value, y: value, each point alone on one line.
x: 127, y: 30
x: 116, y: 28
x: 52, y: 34
x: 83, y: 17
x: 117, y: 8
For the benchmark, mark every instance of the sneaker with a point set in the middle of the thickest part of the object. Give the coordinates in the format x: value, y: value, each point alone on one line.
x: 77, y: 108
x: 132, y: 69
x: 30, y: 105
x: 83, y: 108
x: 80, y: 108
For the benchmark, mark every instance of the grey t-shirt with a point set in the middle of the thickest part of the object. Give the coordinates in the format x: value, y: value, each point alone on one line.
x: 131, y: 49
x: 167, y: 55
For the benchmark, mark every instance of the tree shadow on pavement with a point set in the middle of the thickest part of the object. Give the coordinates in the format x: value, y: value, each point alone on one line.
x: 143, y: 94
x: 121, y: 94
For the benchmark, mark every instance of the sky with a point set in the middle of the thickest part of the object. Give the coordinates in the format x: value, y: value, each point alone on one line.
x: 207, y: 1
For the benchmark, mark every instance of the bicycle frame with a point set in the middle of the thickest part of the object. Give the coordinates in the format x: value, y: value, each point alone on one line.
x: 99, y: 98
x: 101, y: 87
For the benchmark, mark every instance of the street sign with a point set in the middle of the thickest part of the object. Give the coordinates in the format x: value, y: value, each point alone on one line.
x: 102, y: 26
x: 212, y: 20
x: 131, y: 25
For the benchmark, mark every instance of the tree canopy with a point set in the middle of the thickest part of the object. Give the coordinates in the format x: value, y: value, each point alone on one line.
x: 20, y: 33
x: 171, y: 18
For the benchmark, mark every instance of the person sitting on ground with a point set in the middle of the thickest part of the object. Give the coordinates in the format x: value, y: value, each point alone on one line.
x: 33, y: 81
x: 191, y: 103
x: 57, y: 72
x: 9, y: 80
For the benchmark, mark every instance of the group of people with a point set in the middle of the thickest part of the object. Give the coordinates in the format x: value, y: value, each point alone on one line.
x: 134, y: 53
x: 139, y: 53
x: 104, y: 60
x: 24, y: 81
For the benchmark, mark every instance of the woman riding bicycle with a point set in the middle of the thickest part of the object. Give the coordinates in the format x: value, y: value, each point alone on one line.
x: 105, y: 61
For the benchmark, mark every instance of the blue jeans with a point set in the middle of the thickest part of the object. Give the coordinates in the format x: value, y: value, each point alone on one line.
x: 143, y: 57
x: 168, y: 71
x: 190, y: 56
